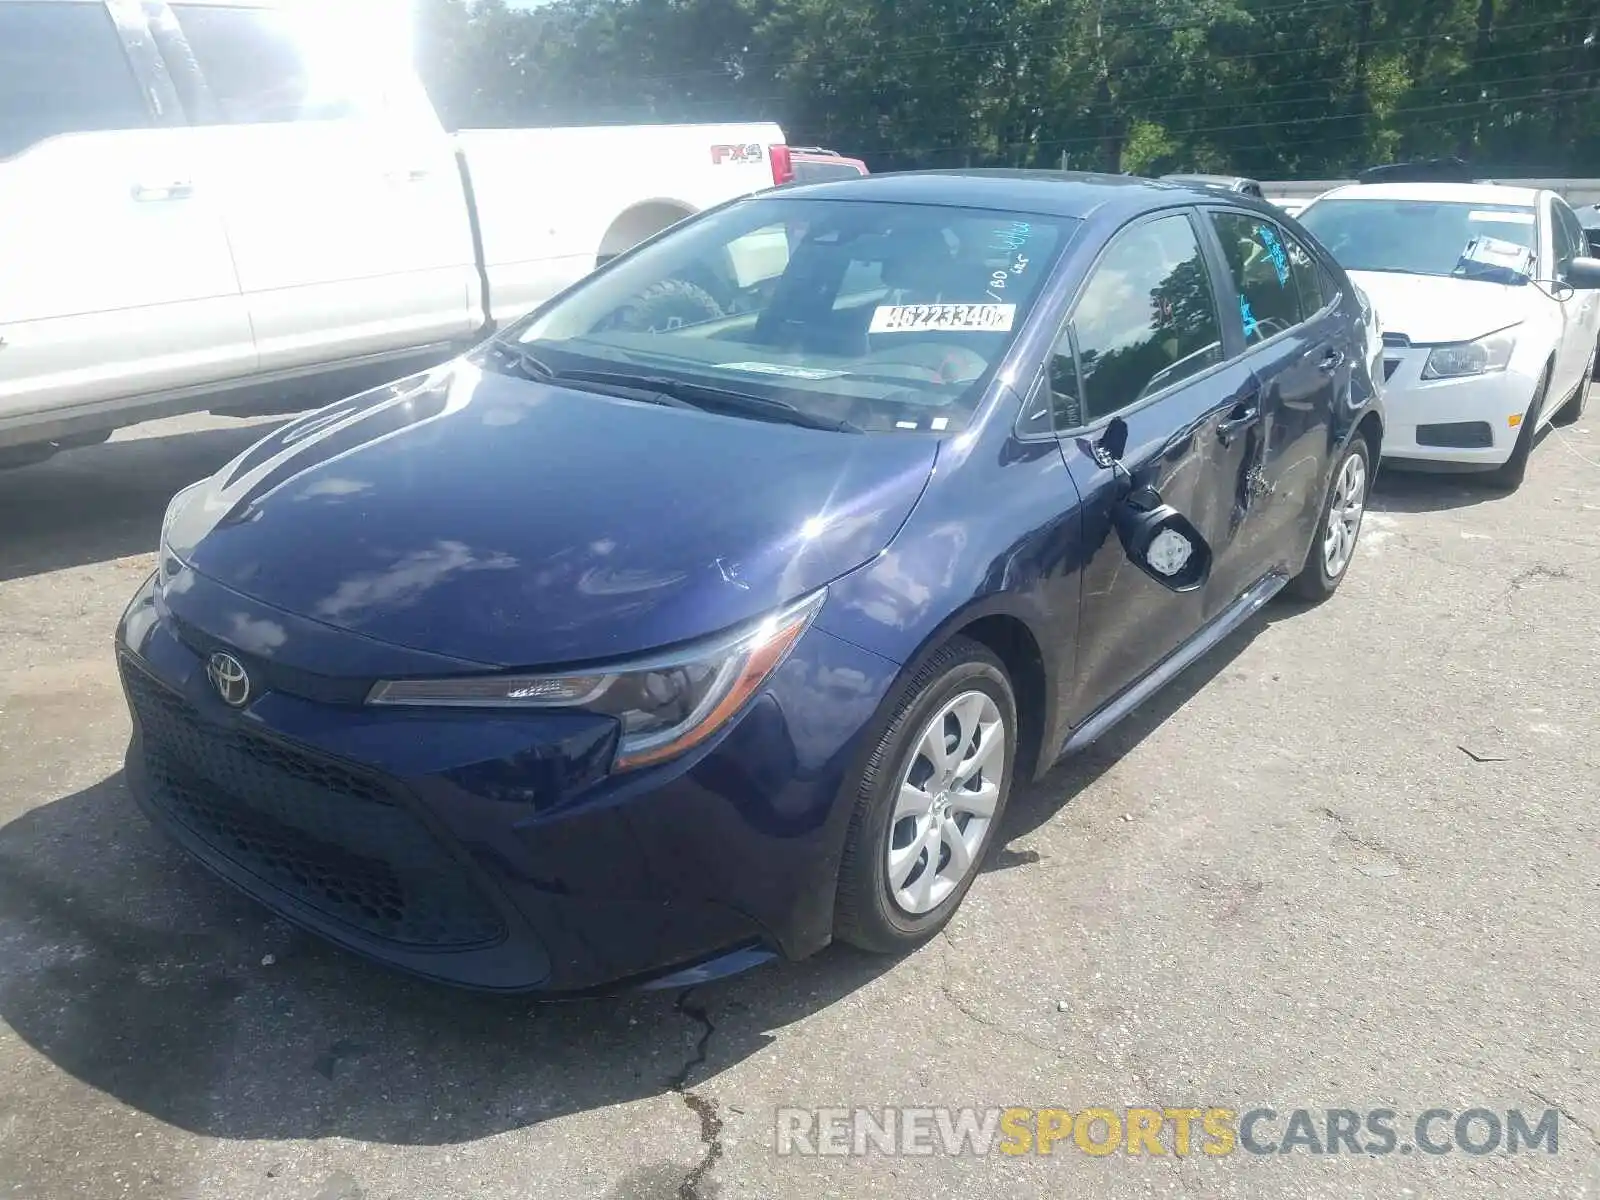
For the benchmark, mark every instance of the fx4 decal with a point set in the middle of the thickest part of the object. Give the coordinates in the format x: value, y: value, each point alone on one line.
x: 736, y: 154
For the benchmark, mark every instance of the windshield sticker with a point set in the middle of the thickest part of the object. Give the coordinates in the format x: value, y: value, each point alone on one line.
x: 1248, y: 317
x: 1495, y: 255
x: 1501, y: 218
x: 963, y: 318
x: 1275, y: 251
x: 784, y: 369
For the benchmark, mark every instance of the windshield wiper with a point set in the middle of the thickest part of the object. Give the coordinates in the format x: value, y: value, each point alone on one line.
x: 680, y: 393
x: 710, y: 397
x: 531, y: 366
x: 1401, y: 271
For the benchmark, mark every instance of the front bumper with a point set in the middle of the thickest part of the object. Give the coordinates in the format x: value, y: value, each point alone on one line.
x: 1473, y: 421
x: 489, y: 850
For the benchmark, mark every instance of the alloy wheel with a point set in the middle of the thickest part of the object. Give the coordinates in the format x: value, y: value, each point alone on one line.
x: 1346, y: 506
x: 946, y: 802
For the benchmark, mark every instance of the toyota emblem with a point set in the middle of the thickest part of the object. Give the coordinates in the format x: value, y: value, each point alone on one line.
x: 228, y: 676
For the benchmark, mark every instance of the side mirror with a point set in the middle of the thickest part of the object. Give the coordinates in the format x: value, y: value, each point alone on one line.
x: 1583, y: 274
x: 1161, y: 541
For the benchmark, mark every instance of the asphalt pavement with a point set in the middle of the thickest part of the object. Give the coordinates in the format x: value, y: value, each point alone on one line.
x: 1348, y: 861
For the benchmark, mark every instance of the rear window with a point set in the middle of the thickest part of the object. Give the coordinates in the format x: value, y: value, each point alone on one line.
x: 1418, y: 237
x: 273, y: 65
x: 62, y: 70
x: 893, y: 317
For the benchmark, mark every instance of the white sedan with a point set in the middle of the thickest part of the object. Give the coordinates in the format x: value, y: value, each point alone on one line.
x: 1490, y: 312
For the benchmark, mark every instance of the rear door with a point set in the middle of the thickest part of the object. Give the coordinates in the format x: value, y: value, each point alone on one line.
x: 343, y: 203
x: 1144, y: 342
x: 1285, y: 308
x: 115, y: 272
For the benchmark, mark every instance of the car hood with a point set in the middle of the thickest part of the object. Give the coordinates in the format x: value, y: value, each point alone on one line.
x: 1430, y: 309
x: 510, y: 523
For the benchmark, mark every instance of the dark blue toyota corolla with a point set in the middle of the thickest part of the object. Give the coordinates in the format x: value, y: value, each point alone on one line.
x: 713, y: 610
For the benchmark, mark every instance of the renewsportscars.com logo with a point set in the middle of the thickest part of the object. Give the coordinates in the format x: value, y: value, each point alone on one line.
x: 1179, y: 1132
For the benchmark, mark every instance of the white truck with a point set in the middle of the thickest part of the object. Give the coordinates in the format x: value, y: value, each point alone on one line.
x: 251, y: 206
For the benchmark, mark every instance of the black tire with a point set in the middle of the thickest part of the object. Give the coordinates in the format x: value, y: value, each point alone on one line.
x: 1314, y: 583
x: 1508, y: 477
x: 1572, y: 410
x: 1594, y: 374
x: 865, y: 914
x: 666, y: 305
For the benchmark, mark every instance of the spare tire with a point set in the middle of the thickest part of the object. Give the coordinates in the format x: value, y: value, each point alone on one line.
x: 670, y: 304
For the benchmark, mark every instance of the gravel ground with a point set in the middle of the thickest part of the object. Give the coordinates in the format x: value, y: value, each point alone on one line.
x: 1347, y: 861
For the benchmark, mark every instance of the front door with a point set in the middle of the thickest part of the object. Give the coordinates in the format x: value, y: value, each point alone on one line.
x: 1144, y: 344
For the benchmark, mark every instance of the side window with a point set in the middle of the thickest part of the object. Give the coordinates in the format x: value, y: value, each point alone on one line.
x: 1310, y: 280
x: 1146, y: 319
x: 1569, y: 239
x: 1257, y: 252
x: 258, y: 66
x: 63, y: 70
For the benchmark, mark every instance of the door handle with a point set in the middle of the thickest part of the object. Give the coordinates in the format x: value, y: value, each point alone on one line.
x: 415, y: 175
x: 1244, y: 415
x: 1331, y: 361
x: 180, y: 190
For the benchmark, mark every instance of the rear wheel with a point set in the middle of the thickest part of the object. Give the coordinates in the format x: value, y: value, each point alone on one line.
x: 930, y: 802
x: 1334, y: 544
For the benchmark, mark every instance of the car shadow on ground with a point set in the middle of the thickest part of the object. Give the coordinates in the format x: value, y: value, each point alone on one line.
x: 1404, y: 489
x: 1036, y: 803
x: 106, y: 502
x: 135, y: 972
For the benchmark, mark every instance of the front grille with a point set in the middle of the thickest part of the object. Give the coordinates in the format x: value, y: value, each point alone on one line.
x: 330, y: 837
x: 1457, y: 435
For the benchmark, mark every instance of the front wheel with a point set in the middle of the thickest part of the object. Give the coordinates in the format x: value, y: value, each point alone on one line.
x: 1572, y: 411
x: 1509, y: 475
x: 1334, y: 543
x: 929, y: 803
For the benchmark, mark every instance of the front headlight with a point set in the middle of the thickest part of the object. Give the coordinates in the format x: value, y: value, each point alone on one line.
x: 1487, y: 354
x: 666, y: 705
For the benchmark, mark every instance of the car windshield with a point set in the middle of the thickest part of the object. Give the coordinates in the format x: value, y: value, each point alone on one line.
x: 886, y: 317
x: 1416, y: 237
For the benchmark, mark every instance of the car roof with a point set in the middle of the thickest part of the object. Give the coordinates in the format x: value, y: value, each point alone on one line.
x: 1046, y: 193
x: 1443, y: 193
